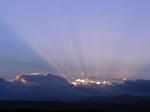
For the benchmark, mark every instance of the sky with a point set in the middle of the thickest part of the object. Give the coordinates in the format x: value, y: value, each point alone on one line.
x: 102, y: 38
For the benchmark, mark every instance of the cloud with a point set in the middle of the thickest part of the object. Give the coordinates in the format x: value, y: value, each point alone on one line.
x: 42, y: 80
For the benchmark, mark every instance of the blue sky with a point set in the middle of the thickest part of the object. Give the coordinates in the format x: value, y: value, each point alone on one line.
x: 104, y: 38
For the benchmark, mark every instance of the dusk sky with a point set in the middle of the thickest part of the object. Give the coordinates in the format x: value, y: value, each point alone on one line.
x: 103, y: 38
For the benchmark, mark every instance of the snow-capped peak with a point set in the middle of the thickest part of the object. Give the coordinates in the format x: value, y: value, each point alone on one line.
x: 93, y: 83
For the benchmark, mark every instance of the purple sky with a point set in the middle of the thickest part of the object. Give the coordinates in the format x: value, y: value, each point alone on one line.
x: 104, y: 38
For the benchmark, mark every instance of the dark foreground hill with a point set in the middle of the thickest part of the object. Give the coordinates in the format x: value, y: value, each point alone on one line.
x: 104, y: 104
x: 50, y: 93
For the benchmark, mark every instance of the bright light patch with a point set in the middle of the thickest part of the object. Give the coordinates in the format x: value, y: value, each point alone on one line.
x: 88, y: 82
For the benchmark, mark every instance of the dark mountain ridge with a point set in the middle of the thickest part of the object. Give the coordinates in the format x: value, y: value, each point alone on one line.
x: 50, y: 87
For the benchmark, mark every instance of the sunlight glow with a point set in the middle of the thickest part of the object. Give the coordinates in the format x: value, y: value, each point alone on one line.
x: 77, y: 43
x: 88, y: 82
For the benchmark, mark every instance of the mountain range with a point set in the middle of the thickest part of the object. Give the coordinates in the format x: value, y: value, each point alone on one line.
x: 50, y: 87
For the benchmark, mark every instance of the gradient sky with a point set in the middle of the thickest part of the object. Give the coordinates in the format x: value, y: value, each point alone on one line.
x: 104, y: 38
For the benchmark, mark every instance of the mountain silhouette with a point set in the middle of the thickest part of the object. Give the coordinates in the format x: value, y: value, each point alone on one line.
x: 52, y: 87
